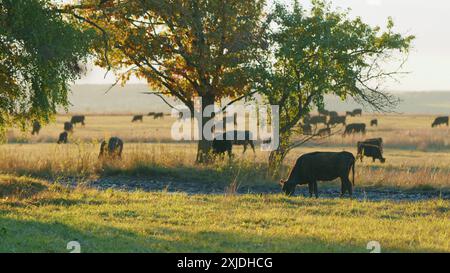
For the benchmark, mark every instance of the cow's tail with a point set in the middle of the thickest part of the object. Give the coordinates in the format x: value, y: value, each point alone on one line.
x: 353, y: 172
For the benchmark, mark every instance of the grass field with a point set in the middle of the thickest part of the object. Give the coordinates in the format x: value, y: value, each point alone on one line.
x: 39, y: 213
x: 412, y: 132
x: 417, y: 155
x: 39, y: 217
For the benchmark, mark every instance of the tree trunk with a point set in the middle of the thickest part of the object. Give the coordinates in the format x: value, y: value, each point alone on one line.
x: 204, y: 147
x: 277, y: 156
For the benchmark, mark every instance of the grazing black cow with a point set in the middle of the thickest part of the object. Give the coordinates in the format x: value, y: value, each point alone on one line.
x: 246, y: 139
x: 321, y: 166
x: 36, y: 127
x: 77, y: 119
x: 357, y: 112
x: 138, y: 118
x: 62, y: 138
x: 355, y: 128
x: 440, y: 121
x: 324, y: 132
x: 374, y: 141
x: 111, y: 149
x: 371, y: 148
x: 306, y: 129
x: 222, y: 145
x: 374, y: 122
x: 314, y: 120
x: 158, y: 115
x: 68, y: 127
x: 337, y: 120
x: 349, y: 113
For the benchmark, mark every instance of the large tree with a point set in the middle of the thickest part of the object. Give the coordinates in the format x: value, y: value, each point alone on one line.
x: 319, y: 52
x: 183, y: 48
x: 39, y: 56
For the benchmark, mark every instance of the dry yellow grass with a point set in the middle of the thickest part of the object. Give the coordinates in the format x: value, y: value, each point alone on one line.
x: 404, y: 169
x: 398, y: 131
x: 41, y: 217
x: 149, y: 149
x: 99, y: 127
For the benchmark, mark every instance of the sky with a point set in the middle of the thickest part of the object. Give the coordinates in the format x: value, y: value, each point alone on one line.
x: 429, y: 61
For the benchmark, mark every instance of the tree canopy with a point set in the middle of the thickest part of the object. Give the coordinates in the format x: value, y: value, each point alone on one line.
x: 230, y: 49
x: 39, y: 56
x: 183, y: 48
x: 323, y: 51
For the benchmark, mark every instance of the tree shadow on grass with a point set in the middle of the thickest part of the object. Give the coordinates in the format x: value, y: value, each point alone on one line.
x: 33, y: 236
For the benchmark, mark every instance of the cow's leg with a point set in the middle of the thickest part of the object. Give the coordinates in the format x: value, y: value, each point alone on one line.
x: 343, y: 187
x: 253, y: 146
x: 230, y: 155
x: 347, y: 185
x: 245, y: 147
x: 311, y: 189
x: 316, y: 192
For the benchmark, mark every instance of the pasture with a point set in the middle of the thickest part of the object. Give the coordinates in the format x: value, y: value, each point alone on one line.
x: 158, y: 199
x: 40, y: 217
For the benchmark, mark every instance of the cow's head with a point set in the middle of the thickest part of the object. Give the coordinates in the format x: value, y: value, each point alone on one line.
x: 382, y: 160
x: 287, y: 187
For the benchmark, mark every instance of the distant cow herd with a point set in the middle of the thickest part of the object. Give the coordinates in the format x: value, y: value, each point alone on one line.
x: 332, y: 118
x: 112, y: 148
x: 308, y: 169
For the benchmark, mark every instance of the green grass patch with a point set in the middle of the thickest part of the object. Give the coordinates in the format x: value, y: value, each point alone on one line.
x: 115, y: 221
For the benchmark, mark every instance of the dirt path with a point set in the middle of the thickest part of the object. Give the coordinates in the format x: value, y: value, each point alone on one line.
x: 172, y: 185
